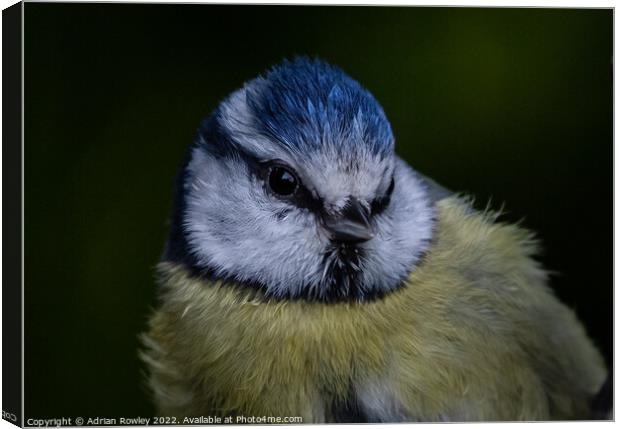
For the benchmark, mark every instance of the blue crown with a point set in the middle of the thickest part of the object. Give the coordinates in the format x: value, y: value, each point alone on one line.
x: 307, y: 104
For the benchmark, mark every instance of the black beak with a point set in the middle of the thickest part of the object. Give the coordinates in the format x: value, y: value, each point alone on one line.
x: 352, y: 226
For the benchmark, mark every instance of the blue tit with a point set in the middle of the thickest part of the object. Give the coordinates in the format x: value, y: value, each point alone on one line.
x: 310, y: 272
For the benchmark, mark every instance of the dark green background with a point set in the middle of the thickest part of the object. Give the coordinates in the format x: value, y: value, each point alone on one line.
x: 513, y: 104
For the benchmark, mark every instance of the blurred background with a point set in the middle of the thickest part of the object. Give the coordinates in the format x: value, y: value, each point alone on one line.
x: 510, y: 105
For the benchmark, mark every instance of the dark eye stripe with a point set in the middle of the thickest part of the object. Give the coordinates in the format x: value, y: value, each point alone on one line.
x: 303, y: 197
x: 379, y: 204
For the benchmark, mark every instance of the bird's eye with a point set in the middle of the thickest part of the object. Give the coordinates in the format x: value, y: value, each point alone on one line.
x: 282, y: 181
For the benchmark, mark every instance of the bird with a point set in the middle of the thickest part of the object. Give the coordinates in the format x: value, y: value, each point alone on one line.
x: 309, y: 272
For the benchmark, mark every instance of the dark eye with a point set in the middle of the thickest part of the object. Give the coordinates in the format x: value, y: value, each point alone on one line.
x: 282, y: 181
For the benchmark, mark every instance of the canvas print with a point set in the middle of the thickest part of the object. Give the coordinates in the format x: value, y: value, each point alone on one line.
x: 243, y: 214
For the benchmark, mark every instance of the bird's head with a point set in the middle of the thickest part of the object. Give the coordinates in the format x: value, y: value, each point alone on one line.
x: 292, y: 186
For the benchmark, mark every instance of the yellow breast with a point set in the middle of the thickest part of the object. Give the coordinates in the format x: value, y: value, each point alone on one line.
x: 453, y: 343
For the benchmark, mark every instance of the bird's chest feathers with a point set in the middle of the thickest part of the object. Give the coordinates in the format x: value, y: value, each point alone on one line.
x: 291, y: 356
x: 244, y: 349
x: 411, y: 347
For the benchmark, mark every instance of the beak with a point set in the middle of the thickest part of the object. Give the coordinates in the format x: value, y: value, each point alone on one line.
x: 352, y: 226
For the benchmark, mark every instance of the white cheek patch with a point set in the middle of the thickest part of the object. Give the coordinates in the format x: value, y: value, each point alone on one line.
x: 233, y: 227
